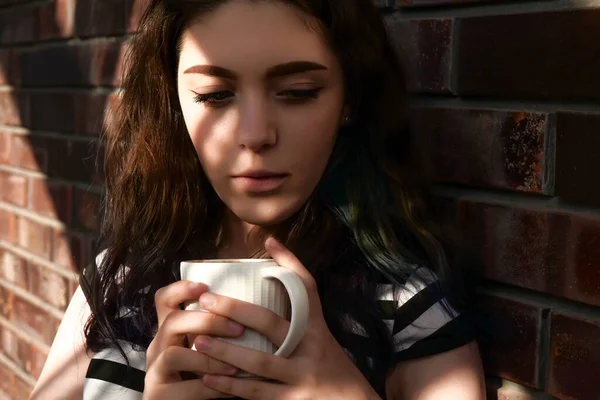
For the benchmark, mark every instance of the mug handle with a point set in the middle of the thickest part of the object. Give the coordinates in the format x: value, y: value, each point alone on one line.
x: 299, y: 302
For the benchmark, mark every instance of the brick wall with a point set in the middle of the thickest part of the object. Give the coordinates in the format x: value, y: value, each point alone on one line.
x: 505, y: 98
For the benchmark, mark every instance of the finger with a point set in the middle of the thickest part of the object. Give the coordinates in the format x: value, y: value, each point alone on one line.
x: 176, y: 359
x: 253, y: 361
x: 250, y: 389
x: 180, y: 323
x: 192, y: 389
x: 287, y: 259
x: 169, y: 297
x: 253, y: 316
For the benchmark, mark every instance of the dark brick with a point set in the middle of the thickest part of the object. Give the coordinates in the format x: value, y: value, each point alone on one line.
x: 88, y: 209
x: 574, y: 358
x: 52, y: 111
x: 106, y: 67
x: 100, y: 17
x: 551, y: 55
x: 512, y: 352
x: 51, y: 199
x: 498, y: 149
x: 434, y: 2
x: 90, y: 112
x: 56, y: 19
x: 71, y: 160
x: 549, y: 252
x: 18, y: 25
x: 134, y: 9
x: 578, y: 157
x: 57, y: 65
x: 424, y: 46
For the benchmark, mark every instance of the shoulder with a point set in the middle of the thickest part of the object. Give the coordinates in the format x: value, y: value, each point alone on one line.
x: 420, y: 318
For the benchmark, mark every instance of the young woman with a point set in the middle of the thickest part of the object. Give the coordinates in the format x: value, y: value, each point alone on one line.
x: 269, y: 128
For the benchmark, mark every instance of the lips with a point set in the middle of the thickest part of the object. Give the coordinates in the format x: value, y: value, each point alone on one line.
x: 260, y: 181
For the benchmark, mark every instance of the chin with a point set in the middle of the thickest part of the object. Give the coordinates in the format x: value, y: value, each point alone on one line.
x: 264, y: 212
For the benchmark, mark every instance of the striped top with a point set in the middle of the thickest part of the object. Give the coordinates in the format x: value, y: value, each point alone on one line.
x: 419, y: 319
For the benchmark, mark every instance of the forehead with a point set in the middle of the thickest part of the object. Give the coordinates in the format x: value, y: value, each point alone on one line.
x: 252, y: 35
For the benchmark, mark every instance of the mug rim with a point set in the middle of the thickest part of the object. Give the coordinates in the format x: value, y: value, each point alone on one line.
x: 230, y: 261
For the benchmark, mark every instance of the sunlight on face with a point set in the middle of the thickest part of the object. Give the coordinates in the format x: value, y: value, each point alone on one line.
x: 262, y: 98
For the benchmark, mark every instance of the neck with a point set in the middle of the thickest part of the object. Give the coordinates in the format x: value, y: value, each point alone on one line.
x: 239, y: 239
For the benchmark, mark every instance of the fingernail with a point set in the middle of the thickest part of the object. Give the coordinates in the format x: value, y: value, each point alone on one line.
x: 194, y: 285
x: 234, y: 327
x: 202, y: 343
x: 208, y: 300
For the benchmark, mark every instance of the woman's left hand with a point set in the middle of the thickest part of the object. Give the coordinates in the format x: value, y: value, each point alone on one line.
x: 318, y: 368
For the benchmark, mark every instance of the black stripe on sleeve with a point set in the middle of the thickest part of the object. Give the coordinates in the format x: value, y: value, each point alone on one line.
x: 451, y: 336
x: 119, y: 374
x: 416, y: 306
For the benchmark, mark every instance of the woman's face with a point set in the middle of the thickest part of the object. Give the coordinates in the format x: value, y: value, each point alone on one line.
x: 262, y: 97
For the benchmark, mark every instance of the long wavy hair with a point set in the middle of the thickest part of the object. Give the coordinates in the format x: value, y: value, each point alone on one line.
x: 365, y: 223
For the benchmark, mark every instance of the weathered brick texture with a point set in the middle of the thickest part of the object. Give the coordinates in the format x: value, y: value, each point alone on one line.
x: 504, y: 98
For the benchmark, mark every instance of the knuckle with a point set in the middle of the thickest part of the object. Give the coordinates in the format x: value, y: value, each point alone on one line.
x: 159, y: 295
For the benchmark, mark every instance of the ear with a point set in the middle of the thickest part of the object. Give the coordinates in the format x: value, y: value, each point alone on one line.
x: 345, y: 115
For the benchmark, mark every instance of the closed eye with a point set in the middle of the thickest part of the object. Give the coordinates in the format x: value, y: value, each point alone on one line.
x: 214, y: 99
x: 299, y: 95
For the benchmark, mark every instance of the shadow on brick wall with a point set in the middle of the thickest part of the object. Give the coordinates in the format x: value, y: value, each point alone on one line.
x: 59, y: 66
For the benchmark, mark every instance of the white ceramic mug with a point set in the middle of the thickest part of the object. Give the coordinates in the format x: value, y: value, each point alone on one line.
x: 258, y: 281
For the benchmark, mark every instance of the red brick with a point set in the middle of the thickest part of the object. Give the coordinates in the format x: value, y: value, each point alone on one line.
x: 37, y: 360
x: 14, y: 269
x: 7, y: 380
x: 35, y: 321
x: 574, y: 358
x: 549, y: 252
x: 51, y: 199
x: 49, y: 286
x: 484, y: 148
x: 106, y: 67
x: 14, y: 188
x: 7, y: 303
x: 64, y: 249
x: 578, y: 157
x: 512, y: 352
x: 549, y: 55
x: 425, y: 47
x: 35, y: 237
x: 5, y: 147
x: 8, y: 226
x: 30, y: 152
x: 10, y: 345
x: 12, y: 104
x: 22, y: 389
x: 56, y: 19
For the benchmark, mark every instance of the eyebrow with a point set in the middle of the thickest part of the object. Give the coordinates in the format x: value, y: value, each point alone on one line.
x: 277, y: 71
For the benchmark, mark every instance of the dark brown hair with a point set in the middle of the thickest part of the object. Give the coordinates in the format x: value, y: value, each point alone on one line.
x: 363, y: 224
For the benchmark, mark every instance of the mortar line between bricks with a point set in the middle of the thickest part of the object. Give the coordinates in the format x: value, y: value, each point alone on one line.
x: 52, y: 266
x: 22, y: 334
x: 67, y: 41
x: 87, y: 187
x: 445, y: 101
x: 543, y: 351
x: 542, y: 300
x: 56, y: 135
x: 491, y: 10
x: 519, y: 200
x: 25, y: 295
x: 17, y: 370
x: 49, y: 222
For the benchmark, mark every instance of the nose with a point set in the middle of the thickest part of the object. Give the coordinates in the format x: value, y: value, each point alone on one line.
x: 256, y: 130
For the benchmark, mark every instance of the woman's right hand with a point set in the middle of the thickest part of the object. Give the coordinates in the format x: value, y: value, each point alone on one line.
x: 167, y: 354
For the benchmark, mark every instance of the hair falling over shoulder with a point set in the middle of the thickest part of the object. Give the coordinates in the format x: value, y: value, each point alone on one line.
x: 365, y: 222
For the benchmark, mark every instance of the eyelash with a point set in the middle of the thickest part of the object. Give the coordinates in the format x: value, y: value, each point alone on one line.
x: 293, y: 96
